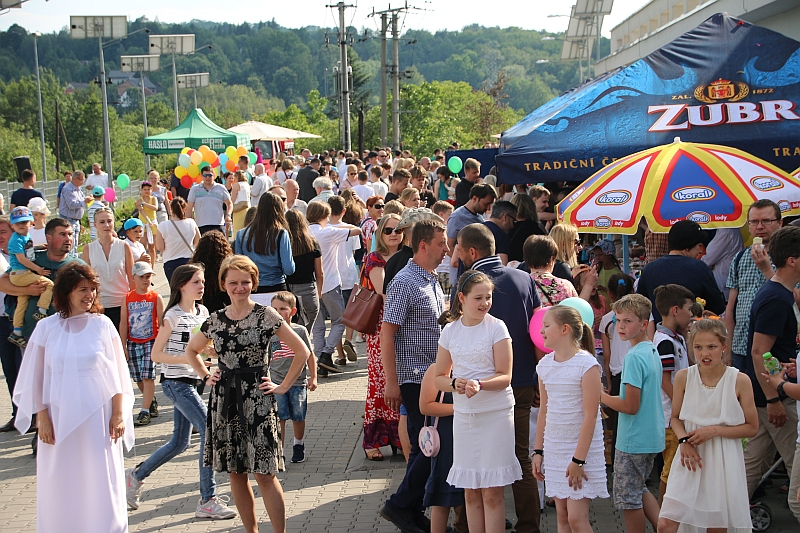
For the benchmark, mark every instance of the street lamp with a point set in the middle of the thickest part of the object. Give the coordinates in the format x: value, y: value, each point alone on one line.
x: 39, y: 94
x: 141, y: 64
x: 193, y: 81
x: 173, y: 44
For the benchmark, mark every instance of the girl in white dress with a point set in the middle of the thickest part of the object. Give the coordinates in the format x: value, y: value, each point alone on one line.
x: 712, y: 411
x: 569, y: 434
x: 477, y: 348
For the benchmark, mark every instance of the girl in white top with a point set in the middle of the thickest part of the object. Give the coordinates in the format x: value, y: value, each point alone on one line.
x: 569, y: 434
x: 712, y: 410
x: 477, y: 348
x: 113, y: 261
x: 179, y: 383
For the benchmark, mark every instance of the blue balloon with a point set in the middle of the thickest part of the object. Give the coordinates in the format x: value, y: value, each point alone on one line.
x: 183, y: 160
x: 583, y: 307
x: 223, y: 158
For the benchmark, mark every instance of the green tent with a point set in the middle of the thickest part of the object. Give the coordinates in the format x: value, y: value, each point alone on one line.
x: 196, y: 129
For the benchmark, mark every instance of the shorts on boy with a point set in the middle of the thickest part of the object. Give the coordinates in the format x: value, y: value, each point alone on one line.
x: 294, y: 404
x: 24, y: 278
x: 631, y: 471
x: 670, y: 449
x: 140, y: 364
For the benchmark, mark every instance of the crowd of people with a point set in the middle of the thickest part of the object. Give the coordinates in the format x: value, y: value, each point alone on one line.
x: 621, y: 374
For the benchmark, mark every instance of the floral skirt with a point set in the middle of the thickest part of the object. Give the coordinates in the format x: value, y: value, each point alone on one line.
x: 380, y: 422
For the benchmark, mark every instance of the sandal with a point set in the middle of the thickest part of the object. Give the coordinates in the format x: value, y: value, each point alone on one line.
x: 376, y: 455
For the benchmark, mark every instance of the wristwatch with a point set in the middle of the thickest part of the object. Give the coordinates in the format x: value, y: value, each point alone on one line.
x: 453, y: 383
x: 781, y: 395
x: 776, y: 399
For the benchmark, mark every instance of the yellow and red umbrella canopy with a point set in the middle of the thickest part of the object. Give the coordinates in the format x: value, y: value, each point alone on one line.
x: 710, y: 184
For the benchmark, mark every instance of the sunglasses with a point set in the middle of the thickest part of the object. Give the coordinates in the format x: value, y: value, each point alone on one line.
x: 208, y: 175
x: 352, y: 173
x: 378, y: 206
x: 389, y: 231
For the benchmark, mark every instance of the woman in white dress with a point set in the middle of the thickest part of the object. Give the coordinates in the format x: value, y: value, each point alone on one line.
x: 712, y: 411
x: 75, y: 379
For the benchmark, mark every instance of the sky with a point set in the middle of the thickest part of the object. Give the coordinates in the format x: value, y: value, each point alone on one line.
x: 50, y: 16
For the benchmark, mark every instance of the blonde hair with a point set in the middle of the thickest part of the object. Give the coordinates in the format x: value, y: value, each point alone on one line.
x: 537, y: 190
x: 569, y: 316
x: 241, y: 263
x: 407, y: 194
x: 634, y: 303
x: 380, y: 245
x: 393, y: 207
x: 565, y: 236
x: 708, y: 325
x: 441, y: 207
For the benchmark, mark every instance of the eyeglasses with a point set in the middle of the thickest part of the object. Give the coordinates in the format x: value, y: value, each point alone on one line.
x: 352, y: 173
x: 378, y: 206
x: 765, y: 222
x: 208, y: 175
x: 389, y: 231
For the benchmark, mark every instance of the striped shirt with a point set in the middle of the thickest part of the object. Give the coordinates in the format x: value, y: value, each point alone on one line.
x: 183, y: 325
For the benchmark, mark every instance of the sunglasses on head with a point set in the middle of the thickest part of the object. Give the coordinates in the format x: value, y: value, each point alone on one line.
x: 389, y: 231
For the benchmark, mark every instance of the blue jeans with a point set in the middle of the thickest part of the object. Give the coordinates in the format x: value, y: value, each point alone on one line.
x: 170, y: 266
x: 738, y: 361
x: 76, y: 236
x: 189, y: 411
x: 10, y: 358
x: 331, y: 305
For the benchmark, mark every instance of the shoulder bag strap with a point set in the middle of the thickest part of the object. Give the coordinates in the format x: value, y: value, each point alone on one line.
x: 541, y: 289
x: 441, y: 400
x: 174, y: 225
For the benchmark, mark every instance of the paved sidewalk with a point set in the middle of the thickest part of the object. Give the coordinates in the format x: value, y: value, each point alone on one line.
x: 334, y: 491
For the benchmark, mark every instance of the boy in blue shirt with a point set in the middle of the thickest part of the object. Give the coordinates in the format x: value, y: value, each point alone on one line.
x: 640, y: 429
x: 24, y: 272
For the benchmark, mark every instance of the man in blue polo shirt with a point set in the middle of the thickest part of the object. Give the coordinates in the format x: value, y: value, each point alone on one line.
x: 515, y: 300
x: 500, y: 223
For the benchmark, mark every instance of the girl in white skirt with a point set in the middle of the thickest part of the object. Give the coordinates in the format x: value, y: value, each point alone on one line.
x: 569, y: 434
x: 477, y: 347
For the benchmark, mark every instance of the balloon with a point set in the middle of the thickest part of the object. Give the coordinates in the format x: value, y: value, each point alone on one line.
x: 180, y: 172
x: 190, y: 152
x: 203, y: 149
x: 240, y: 151
x: 185, y: 150
x: 216, y: 162
x: 194, y: 171
x: 204, y: 164
x: 187, y: 182
x: 198, y: 179
x: 184, y: 160
x: 230, y: 151
x: 455, y: 164
x: 253, y: 157
x: 231, y: 166
x: 110, y: 195
x: 209, y: 156
x: 196, y: 158
x: 583, y: 307
x: 535, y: 329
x: 223, y: 158
x: 123, y: 181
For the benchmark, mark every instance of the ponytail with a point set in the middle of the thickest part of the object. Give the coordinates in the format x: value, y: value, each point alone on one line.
x: 468, y: 279
x: 587, y: 339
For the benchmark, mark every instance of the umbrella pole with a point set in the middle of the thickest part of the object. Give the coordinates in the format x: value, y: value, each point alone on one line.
x: 626, y: 255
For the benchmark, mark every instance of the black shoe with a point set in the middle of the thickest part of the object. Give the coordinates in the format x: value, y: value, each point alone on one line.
x: 154, y: 408
x: 35, y: 443
x: 403, y: 519
x: 298, y: 453
x: 508, y: 524
x: 341, y: 361
x: 322, y: 372
x: 422, y: 522
x: 9, y: 426
x: 326, y: 361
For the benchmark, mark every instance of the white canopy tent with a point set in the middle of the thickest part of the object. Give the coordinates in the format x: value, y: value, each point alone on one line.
x: 260, y: 131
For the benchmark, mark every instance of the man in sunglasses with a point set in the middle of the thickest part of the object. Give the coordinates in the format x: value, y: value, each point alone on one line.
x: 214, y: 206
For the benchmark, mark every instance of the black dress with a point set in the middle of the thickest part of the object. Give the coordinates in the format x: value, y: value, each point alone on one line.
x: 438, y: 492
x: 242, y: 428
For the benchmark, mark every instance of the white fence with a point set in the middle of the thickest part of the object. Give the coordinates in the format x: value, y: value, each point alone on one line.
x: 50, y: 190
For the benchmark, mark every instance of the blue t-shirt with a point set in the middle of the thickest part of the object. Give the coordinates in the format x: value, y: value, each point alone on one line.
x: 18, y: 244
x: 643, y: 432
x: 502, y: 242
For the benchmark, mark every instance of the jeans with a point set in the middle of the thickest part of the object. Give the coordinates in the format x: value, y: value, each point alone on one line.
x: 411, y: 491
x: 170, y: 266
x: 76, y: 236
x: 331, y: 304
x: 10, y: 358
x: 189, y: 411
x: 739, y: 361
x: 307, y: 303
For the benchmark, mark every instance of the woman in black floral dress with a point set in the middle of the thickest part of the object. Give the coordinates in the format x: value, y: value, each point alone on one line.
x: 242, y: 427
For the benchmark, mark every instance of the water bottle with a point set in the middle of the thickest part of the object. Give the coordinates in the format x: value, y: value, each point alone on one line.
x: 772, y: 365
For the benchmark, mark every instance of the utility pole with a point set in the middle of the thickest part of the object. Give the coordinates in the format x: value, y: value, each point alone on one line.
x: 384, y: 96
x: 395, y: 83
x: 344, y: 73
x: 106, y: 132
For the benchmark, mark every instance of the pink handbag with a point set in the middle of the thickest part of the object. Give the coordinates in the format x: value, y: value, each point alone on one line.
x: 429, y: 435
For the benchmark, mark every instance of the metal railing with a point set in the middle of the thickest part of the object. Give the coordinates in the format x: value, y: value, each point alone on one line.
x: 50, y: 191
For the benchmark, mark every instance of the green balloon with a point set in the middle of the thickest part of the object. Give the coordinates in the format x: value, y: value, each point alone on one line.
x: 455, y: 164
x: 123, y: 181
x: 204, y: 164
x: 253, y: 158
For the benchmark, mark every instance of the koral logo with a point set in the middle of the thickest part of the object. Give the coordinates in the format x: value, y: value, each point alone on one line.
x: 766, y: 183
x: 699, y: 216
x: 577, y: 193
x: 691, y: 194
x: 785, y: 205
x: 613, y: 198
x: 602, y: 222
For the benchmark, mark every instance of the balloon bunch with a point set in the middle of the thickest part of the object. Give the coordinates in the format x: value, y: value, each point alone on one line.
x: 192, y: 162
x: 123, y: 182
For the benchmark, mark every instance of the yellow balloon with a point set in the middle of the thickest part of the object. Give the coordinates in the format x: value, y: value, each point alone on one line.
x: 241, y: 151
x: 209, y: 156
x: 196, y: 158
x: 180, y: 172
x: 194, y: 171
x: 185, y: 150
x: 203, y: 149
x: 230, y: 151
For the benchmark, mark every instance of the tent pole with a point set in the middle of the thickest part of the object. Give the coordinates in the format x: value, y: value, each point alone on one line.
x: 626, y: 259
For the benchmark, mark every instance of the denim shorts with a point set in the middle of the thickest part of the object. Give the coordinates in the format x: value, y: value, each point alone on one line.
x: 403, y: 411
x: 631, y: 471
x: 294, y: 404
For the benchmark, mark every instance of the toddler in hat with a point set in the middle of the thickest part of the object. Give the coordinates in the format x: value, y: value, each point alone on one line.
x: 38, y: 207
x: 25, y: 272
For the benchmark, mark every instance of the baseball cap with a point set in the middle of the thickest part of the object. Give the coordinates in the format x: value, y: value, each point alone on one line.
x: 686, y: 234
x: 98, y: 191
x: 606, y: 246
x: 20, y: 214
x: 413, y: 215
x: 140, y: 268
x: 132, y: 223
x: 38, y: 205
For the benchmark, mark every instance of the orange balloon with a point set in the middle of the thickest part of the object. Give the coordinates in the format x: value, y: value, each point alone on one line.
x: 230, y: 165
x: 198, y: 179
x: 180, y: 172
x: 203, y: 149
x: 209, y: 156
x: 241, y: 151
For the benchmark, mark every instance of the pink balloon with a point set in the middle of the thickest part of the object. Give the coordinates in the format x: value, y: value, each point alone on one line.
x: 110, y: 195
x: 535, y: 329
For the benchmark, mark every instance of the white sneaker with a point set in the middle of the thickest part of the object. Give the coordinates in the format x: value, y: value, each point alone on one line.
x: 133, y: 488
x: 215, y: 508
